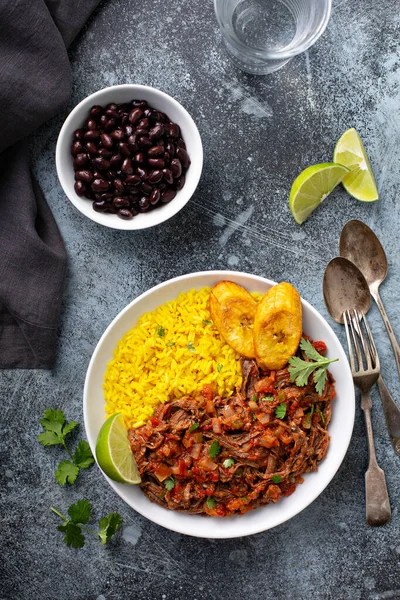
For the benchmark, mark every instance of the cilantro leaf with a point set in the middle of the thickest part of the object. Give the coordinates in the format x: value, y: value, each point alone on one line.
x: 219, y: 368
x: 276, y: 478
x: 53, y: 420
x: 228, y: 462
x: 69, y: 427
x: 268, y: 399
x: 160, y: 331
x: 194, y: 427
x: 169, y: 483
x: 73, y: 534
x: 300, y: 370
x: 66, y: 472
x: 83, y: 456
x: 309, y: 415
x: 80, y: 512
x: 215, y: 449
x: 108, y: 526
x: 170, y: 344
x: 280, y: 410
x: 207, y: 322
x: 254, y: 398
x: 191, y: 347
x: 49, y: 438
x: 211, y: 503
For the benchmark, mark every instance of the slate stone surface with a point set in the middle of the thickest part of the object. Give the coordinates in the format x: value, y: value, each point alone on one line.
x: 258, y: 134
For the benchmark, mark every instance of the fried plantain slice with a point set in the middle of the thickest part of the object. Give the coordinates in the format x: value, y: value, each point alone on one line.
x: 232, y: 310
x: 277, y: 326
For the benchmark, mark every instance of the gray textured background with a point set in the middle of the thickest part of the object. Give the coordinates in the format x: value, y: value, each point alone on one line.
x: 258, y: 133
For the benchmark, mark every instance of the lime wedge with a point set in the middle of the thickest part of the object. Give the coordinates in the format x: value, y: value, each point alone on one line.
x: 350, y: 152
x: 312, y: 186
x: 114, y: 453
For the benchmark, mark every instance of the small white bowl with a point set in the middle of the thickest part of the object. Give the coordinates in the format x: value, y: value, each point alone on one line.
x: 120, y: 94
x: 260, y: 519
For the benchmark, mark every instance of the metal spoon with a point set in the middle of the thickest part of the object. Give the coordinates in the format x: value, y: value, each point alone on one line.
x: 345, y: 288
x: 359, y: 244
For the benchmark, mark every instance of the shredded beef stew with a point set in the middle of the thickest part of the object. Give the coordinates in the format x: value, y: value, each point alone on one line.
x: 223, y: 456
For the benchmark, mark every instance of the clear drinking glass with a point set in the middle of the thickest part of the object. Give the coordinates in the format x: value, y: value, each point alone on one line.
x: 263, y: 35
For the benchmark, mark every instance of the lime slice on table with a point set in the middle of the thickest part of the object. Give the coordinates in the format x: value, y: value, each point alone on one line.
x: 312, y: 186
x: 114, y: 453
x: 350, y: 152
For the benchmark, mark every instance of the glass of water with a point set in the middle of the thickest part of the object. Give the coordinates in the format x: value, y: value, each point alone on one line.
x: 263, y: 35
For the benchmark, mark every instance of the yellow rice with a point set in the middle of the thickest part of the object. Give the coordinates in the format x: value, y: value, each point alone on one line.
x: 172, y: 351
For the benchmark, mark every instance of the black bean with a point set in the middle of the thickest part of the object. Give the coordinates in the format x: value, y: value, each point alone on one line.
x: 100, y: 185
x: 81, y: 160
x: 183, y: 156
x: 155, y: 197
x: 96, y: 112
x: 91, y: 124
x: 168, y: 177
x: 155, y: 176
x: 101, y: 163
x: 76, y: 148
x: 127, y: 167
x: 146, y: 188
x: 111, y: 174
x: 120, y: 202
x: 170, y: 148
x: 133, y: 143
x: 167, y: 195
x: 123, y: 149
x: 119, y: 184
x: 132, y: 179
x: 128, y: 130
x: 173, y: 130
x: 80, y: 188
x: 180, y: 182
x: 92, y: 135
x: 145, y: 142
x: 156, y: 132
x: 116, y: 160
x: 91, y: 147
x: 107, y: 140
x: 79, y: 134
x: 144, y: 203
x: 155, y: 151
x: 110, y: 125
x: 176, y: 168
x: 117, y: 135
x: 84, y: 175
x: 142, y: 172
x: 100, y: 205
x: 104, y: 152
x: 112, y: 114
x: 103, y: 120
x: 139, y: 158
x: 156, y: 163
x: 181, y: 143
x: 135, y: 115
x: 125, y: 213
x: 142, y: 132
x: 112, y: 106
x: 144, y: 124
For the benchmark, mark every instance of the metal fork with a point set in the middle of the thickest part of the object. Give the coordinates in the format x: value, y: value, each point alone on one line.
x: 377, y: 499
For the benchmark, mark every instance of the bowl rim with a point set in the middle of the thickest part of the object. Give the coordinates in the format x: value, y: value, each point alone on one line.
x: 159, y: 216
x: 339, y: 456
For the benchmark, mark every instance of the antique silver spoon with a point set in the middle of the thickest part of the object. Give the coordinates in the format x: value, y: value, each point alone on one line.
x: 345, y: 288
x: 359, y: 244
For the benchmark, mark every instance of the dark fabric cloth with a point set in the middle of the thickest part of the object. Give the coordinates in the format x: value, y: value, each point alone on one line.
x: 35, y: 83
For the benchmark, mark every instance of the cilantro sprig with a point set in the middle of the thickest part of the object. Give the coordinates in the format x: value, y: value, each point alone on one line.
x: 300, y: 370
x: 79, y: 515
x: 55, y: 432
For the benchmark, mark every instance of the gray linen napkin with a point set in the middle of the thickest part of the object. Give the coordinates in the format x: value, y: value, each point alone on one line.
x: 35, y: 84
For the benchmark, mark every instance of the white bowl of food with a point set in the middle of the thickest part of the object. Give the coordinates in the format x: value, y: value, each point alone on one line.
x: 129, y: 156
x: 263, y: 517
